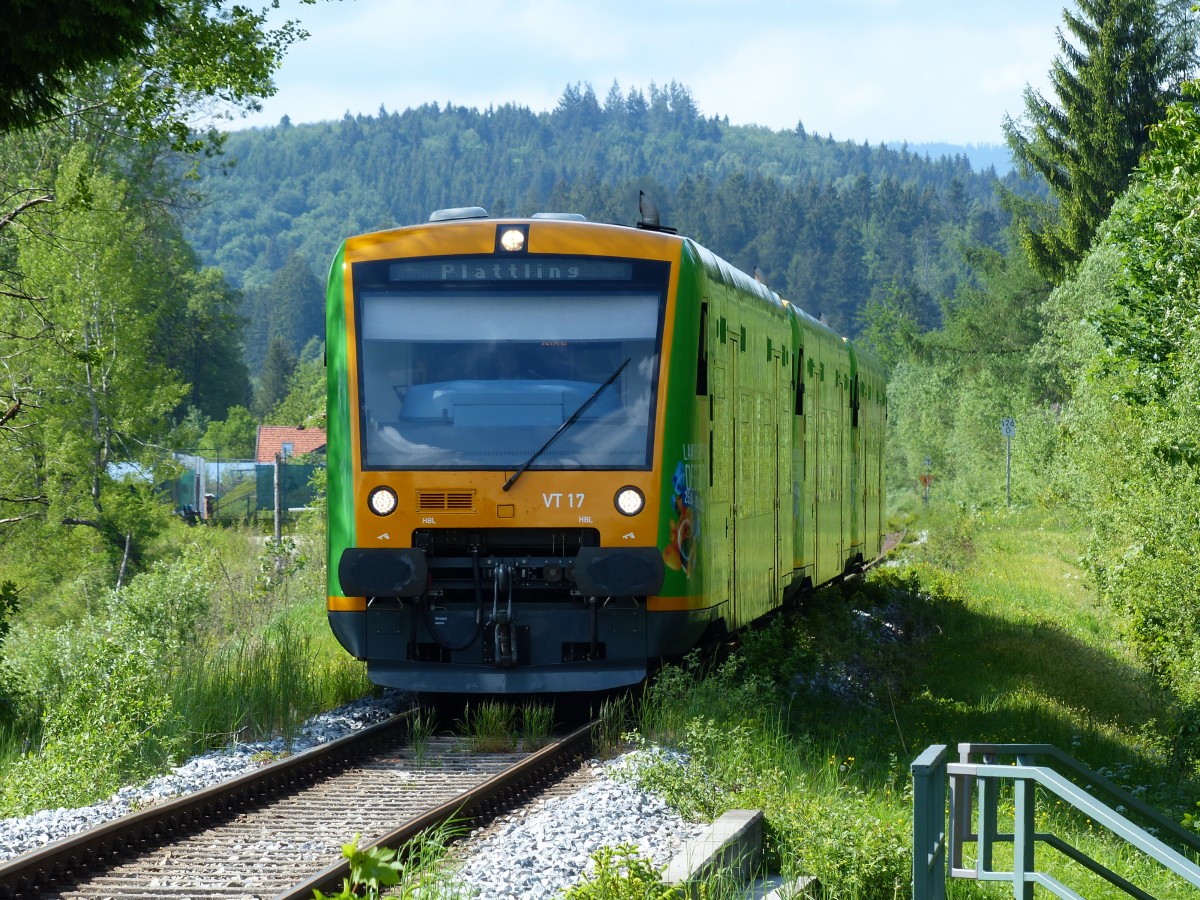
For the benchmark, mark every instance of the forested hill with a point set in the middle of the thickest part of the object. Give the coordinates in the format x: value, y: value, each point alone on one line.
x: 829, y: 223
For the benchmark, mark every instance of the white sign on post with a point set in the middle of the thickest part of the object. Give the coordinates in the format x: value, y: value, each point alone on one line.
x: 1008, y: 428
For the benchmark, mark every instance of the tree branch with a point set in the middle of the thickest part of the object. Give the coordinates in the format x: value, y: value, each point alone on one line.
x: 90, y: 523
x: 8, y: 218
x: 39, y: 499
x: 10, y: 413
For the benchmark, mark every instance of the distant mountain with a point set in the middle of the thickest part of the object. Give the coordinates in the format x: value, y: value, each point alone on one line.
x: 981, y: 156
x: 834, y: 226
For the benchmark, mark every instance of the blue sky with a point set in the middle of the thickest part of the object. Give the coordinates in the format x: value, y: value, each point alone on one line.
x: 873, y: 70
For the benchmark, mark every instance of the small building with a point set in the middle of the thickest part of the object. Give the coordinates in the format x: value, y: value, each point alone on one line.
x: 289, y: 441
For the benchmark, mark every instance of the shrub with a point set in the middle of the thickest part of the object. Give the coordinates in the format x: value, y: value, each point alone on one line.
x: 620, y: 873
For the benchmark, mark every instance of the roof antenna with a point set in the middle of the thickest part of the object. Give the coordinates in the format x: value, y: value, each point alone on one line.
x: 648, y: 214
x: 648, y: 211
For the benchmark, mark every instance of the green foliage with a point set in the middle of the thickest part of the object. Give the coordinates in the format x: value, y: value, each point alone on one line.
x: 110, y: 332
x: 290, y: 308
x: 43, y: 48
x: 537, y: 725
x: 612, y: 723
x: 232, y: 439
x: 621, y: 873
x: 10, y: 699
x: 10, y: 601
x: 952, y: 417
x: 419, y: 733
x: 304, y: 403
x: 1127, y: 327
x: 855, y: 845
x: 206, y: 57
x: 97, y: 364
x: 200, y: 333
x: 986, y: 634
x: 490, y: 726
x: 106, y: 718
x: 949, y: 388
x: 417, y: 870
x: 370, y: 870
x: 272, y: 385
x: 186, y: 656
x: 820, y: 821
x: 1121, y: 66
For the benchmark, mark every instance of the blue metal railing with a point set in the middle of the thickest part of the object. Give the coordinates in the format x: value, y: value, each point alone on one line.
x: 929, y: 824
x: 969, y: 779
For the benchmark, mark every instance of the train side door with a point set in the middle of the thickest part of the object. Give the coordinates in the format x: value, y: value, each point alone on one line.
x: 780, y: 473
x: 724, y: 451
x: 719, y: 515
x: 841, y: 451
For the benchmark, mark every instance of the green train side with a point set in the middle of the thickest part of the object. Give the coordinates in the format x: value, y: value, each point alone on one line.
x: 761, y: 472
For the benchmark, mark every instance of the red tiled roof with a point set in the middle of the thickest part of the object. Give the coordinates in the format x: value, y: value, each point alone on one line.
x: 271, y: 439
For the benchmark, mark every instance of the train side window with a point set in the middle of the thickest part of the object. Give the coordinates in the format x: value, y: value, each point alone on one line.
x: 800, y: 385
x: 702, y: 353
x: 854, y: 402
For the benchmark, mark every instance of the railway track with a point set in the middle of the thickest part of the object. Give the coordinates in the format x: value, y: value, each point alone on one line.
x: 278, y: 832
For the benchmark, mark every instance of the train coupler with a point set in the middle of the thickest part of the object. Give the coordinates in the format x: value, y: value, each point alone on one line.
x: 503, y: 631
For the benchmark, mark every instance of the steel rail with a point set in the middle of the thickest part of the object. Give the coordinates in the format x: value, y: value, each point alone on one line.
x: 70, y: 857
x: 476, y: 807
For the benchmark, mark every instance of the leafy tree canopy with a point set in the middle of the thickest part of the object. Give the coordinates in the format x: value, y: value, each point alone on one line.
x: 44, y: 43
x: 110, y: 330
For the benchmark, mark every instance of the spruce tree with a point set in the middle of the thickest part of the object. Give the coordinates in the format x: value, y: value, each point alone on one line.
x: 273, y: 382
x: 1121, y: 63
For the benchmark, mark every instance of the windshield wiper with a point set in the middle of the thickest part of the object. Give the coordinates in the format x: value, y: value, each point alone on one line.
x: 565, y: 425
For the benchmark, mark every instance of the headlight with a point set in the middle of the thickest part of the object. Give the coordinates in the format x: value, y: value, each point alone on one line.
x: 382, y: 501
x: 513, y: 240
x: 629, y: 501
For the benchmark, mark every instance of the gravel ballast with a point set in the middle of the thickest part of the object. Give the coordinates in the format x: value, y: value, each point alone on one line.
x: 532, y: 854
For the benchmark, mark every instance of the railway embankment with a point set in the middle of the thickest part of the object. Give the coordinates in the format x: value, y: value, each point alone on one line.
x: 986, y: 630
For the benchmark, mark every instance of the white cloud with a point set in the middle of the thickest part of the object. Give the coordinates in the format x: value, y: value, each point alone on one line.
x: 866, y: 70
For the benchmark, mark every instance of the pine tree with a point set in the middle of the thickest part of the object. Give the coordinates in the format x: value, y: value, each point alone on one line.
x: 273, y: 383
x: 1125, y: 64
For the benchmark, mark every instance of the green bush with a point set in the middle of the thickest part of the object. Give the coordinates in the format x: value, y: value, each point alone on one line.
x: 621, y: 873
x: 110, y: 722
x: 858, y: 848
x: 209, y: 646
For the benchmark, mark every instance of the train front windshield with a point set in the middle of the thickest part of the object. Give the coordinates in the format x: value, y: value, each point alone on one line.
x: 475, y: 363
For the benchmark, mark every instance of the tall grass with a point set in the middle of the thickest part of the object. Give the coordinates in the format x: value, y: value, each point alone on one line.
x: 986, y: 632
x: 223, y: 641
x: 265, y: 683
x: 490, y: 726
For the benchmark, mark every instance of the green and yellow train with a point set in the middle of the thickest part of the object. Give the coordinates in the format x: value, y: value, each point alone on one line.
x: 560, y: 450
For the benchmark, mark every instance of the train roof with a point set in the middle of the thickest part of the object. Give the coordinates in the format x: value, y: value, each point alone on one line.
x: 718, y: 268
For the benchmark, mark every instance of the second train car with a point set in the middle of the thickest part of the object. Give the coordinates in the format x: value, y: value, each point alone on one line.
x: 559, y: 450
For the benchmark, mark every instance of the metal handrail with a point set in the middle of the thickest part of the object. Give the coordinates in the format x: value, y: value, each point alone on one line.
x: 929, y: 824
x: 966, y: 778
x: 1028, y: 754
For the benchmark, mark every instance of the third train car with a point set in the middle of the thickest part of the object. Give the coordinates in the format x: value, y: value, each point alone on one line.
x: 560, y: 450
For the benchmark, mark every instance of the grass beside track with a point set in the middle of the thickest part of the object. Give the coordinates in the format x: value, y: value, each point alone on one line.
x: 226, y: 640
x: 986, y: 631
